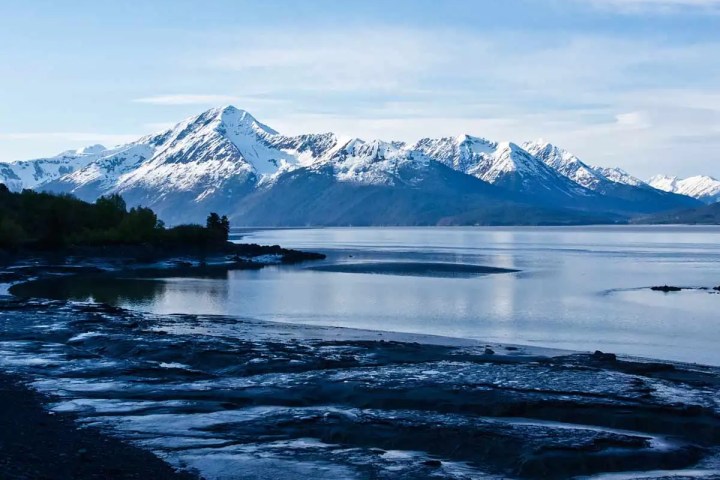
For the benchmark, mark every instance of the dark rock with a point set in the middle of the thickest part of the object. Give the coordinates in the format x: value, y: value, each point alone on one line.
x: 512, y: 349
x: 604, y: 357
x: 665, y: 288
x: 432, y: 463
x: 489, y: 351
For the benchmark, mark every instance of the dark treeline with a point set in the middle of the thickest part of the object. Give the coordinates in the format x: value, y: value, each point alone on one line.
x: 44, y: 221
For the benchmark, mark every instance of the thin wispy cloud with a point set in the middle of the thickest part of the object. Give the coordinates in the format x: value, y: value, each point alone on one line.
x: 339, y: 60
x: 188, y: 99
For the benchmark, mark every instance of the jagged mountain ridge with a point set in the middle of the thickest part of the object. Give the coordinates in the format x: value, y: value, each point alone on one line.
x: 31, y: 173
x: 226, y: 160
x: 702, y: 187
x: 611, y: 182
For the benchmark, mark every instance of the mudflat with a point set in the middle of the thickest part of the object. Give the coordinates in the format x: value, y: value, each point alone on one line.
x: 416, y: 269
x: 38, y: 444
x: 227, y: 396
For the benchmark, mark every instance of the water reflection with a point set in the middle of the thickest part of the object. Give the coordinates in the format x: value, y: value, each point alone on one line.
x: 558, y: 298
x: 113, y: 291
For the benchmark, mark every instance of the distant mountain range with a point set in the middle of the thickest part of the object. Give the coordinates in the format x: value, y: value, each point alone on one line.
x: 702, y: 187
x: 225, y: 160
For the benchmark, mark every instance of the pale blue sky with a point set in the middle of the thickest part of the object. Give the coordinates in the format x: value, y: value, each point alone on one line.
x: 633, y: 83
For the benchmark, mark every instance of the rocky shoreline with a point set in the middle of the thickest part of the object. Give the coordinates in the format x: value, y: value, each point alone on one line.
x: 40, y: 444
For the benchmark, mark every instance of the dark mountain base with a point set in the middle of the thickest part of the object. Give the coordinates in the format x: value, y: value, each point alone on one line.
x: 440, y: 196
x: 706, y: 215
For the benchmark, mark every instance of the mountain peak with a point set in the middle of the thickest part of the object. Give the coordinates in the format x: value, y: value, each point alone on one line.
x: 702, y: 178
x: 542, y: 148
x: 231, y: 116
x: 90, y: 149
x: 466, y: 139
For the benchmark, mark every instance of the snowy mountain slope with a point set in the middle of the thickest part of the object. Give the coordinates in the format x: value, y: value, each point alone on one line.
x: 373, y: 163
x: 702, y: 187
x: 31, y: 173
x: 513, y: 167
x: 9, y: 178
x: 100, y: 177
x: 618, y: 175
x: 203, y: 160
x: 566, y: 164
x: 569, y: 165
x: 504, y: 164
x: 459, y: 153
x: 613, y: 183
x: 227, y: 161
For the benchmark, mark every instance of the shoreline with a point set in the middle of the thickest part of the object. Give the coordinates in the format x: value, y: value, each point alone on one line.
x: 52, y: 444
x: 193, y: 389
x: 41, y: 444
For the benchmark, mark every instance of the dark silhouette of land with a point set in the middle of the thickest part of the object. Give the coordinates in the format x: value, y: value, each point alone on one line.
x: 43, y: 224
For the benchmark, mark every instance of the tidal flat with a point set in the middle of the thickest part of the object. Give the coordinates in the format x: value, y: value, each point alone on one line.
x: 226, y: 397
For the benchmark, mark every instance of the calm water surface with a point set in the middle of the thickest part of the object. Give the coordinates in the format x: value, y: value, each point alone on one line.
x: 577, y: 288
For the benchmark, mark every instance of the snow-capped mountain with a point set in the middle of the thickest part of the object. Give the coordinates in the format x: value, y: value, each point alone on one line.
x: 566, y: 164
x: 205, y: 160
x: 610, y: 182
x: 702, y: 187
x: 512, y: 167
x: 31, y: 173
x: 618, y: 175
x: 503, y: 164
x: 371, y: 163
x: 459, y: 153
x: 569, y: 165
x: 227, y: 161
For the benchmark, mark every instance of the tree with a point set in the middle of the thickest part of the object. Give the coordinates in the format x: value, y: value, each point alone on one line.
x: 220, y: 225
x: 11, y: 234
x: 225, y: 224
x: 39, y: 220
x: 213, y: 221
x: 110, y: 210
x: 139, y: 225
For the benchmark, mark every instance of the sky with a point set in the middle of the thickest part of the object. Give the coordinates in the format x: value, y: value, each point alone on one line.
x: 629, y: 83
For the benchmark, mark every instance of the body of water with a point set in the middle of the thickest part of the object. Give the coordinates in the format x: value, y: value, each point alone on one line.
x: 580, y: 288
